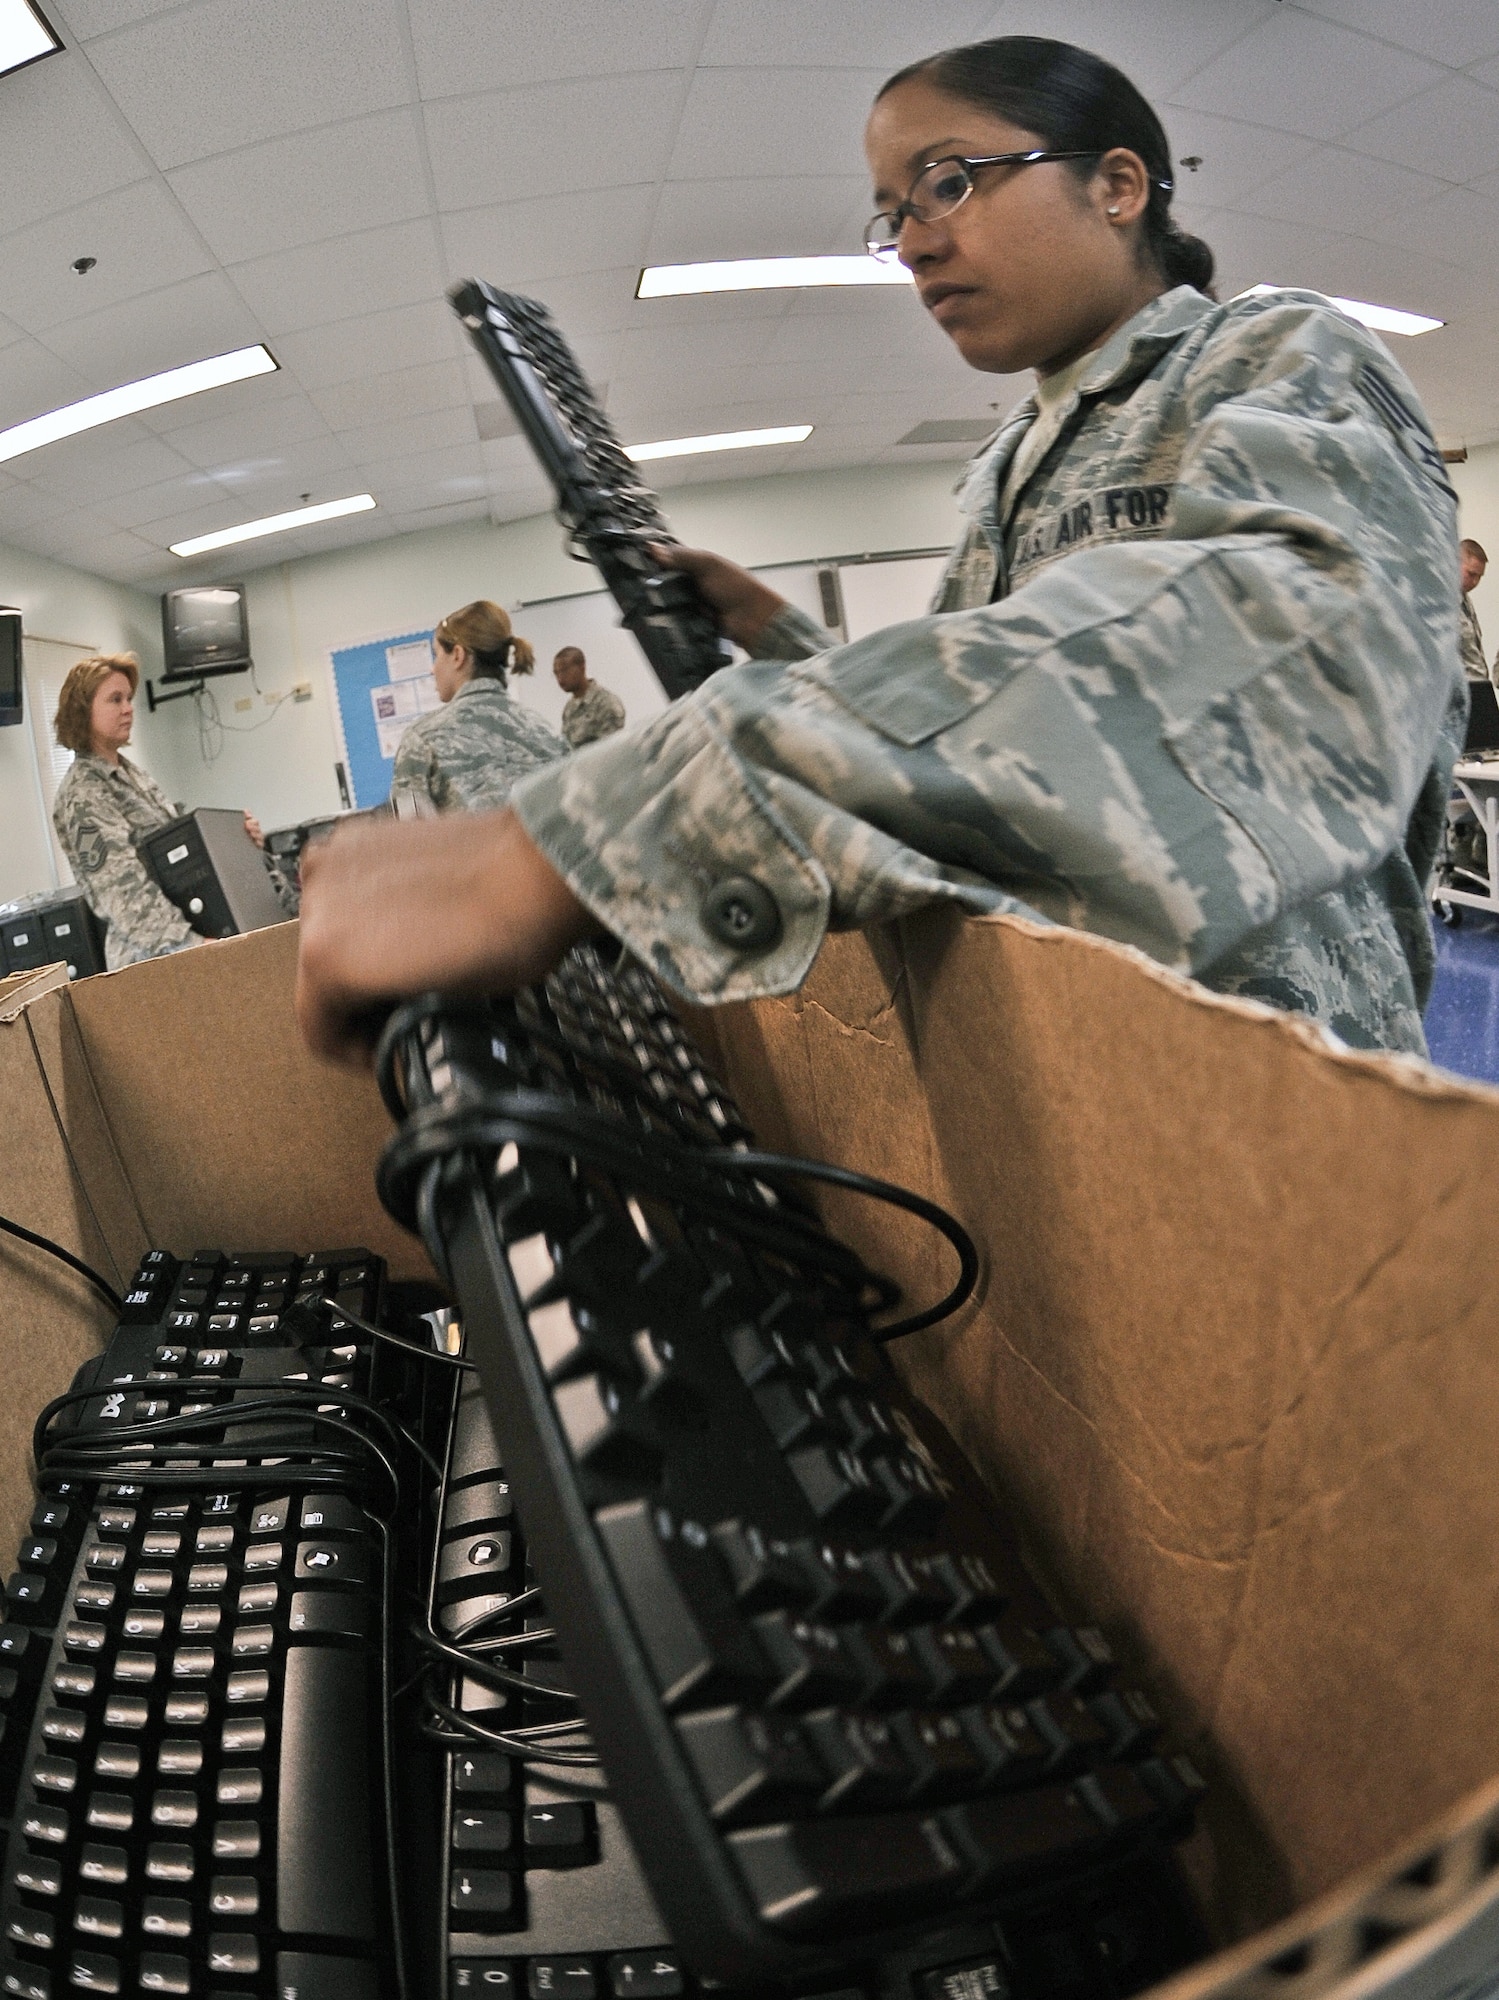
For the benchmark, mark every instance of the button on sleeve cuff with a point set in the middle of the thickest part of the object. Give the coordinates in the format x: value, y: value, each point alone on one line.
x: 670, y: 841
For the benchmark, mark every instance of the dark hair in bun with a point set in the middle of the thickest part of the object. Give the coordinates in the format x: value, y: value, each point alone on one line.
x: 1074, y: 101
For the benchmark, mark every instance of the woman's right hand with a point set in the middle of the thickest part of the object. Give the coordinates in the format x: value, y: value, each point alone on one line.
x: 745, y: 606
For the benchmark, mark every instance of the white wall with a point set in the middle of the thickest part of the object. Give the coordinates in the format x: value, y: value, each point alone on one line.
x: 282, y: 767
x: 1477, y: 484
x: 95, y: 616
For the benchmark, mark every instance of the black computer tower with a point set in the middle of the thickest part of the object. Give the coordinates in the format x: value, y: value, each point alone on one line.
x: 48, y: 929
x: 210, y: 868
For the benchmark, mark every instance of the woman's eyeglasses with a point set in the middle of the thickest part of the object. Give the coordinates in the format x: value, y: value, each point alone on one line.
x: 941, y: 187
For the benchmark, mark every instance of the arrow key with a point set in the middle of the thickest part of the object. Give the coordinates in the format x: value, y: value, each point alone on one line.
x: 563, y: 1835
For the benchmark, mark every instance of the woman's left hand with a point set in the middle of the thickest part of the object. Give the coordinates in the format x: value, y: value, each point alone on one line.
x: 252, y: 827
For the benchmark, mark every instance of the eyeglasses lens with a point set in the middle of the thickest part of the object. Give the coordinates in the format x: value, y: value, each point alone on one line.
x: 944, y: 186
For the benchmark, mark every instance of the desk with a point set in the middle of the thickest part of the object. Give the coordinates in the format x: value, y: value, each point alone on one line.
x: 1461, y: 888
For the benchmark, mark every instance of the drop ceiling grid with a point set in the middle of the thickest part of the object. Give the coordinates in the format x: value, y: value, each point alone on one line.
x: 332, y: 169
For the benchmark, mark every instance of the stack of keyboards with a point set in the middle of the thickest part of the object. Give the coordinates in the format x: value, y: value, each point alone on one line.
x: 284, y: 1710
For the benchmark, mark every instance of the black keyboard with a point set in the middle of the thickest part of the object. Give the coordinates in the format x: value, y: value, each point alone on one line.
x: 610, y: 515
x: 193, y: 1739
x: 848, y: 1740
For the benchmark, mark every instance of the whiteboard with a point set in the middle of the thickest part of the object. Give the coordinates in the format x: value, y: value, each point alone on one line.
x: 874, y: 594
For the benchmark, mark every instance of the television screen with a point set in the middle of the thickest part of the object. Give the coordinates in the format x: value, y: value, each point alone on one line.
x: 205, y: 630
x: 12, y: 682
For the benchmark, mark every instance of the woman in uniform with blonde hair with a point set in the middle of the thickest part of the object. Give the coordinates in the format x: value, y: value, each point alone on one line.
x: 466, y: 755
x: 106, y: 804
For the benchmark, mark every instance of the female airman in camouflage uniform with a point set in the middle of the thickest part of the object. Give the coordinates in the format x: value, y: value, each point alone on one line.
x: 466, y: 755
x: 1191, y: 681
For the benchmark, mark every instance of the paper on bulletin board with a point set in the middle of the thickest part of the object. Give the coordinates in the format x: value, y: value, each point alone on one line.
x: 397, y: 706
x: 375, y: 681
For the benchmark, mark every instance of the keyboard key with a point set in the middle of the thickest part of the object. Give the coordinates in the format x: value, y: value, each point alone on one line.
x: 55, y: 1774
x: 183, y: 1710
x: 330, y: 1513
x: 476, y: 1830
x: 1131, y: 1721
x: 865, y: 1763
x: 315, y: 1976
x: 699, y: 1649
x: 242, y: 1736
x: 1012, y: 1838
x: 200, y: 1620
x: 560, y: 1835
x: 240, y: 1785
x: 814, y: 1879
x: 233, y: 1952
x: 331, y: 1562
x: 1008, y: 1745
x: 813, y: 1665
x: 45, y: 1822
x: 561, y: 1979
x: 247, y: 1685
x: 234, y: 1896
x: 1084, y: 1655
x: 764, y: 1574
x: 144, y: 1624
x: 481, y: 1892
x: 38, y: 1874
x: 38, y: 1928
x: 262, y: 1556
x: 324, y: 1887
x: 174, y: 1807
x: 894, y: 1676
x: 117, y: 1760
x: 481, y: 1773
x: 975, y: 1979
x: 95, y: 1972
x: 211, y: 1579
x: 332, y: 1611
x: 191, y: 1663
x: 27, y: 1982
x: 252, y: 1641
x: 79, y: 1680
x: 164, y: 1972
x: 180, y: 1757
x: 126, y: 1711
x: 961, y: 1670
x: 644, y: 1975
x: 1120, y: 1799
x: 215, y: 1538
x: 255, y: 1598
x: 751, y: 1766
x: 837, y: 1486
x: 169, y: 1861
x: 109, y: 1866
x: 99, y: 1916
x: 112, y: 1812
x: 603, y: 1432
x: 490, y: 1976
x: 947, y: 1765
x: 1024, y: 1666
x: 64, y: 1725
x: 269, y: 1517
x: 1074, y: 1734
x: 236, y: 1840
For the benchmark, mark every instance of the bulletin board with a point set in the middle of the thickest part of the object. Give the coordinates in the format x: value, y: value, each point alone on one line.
x: 380, y: 686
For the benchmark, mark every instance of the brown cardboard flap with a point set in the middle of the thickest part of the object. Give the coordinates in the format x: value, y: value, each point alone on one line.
x: 1236, y: 1358
x: 58, y: 1177
x: 230, y: 1134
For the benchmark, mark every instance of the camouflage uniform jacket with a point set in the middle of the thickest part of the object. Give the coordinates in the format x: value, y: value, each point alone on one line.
x: 1199, y: 692
x: 100, y: 812
x: 467, y: 754
x: 1470, y: 639
x: 592, y: 714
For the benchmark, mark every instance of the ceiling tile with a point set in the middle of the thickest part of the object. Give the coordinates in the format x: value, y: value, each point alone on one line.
x: 87, y: 18
x: 1450, y: 131
x: 41, y: 177
x: 1362, y: 193
x: 774, y: 121
x: 805, y: 216
x: 120, y: 458
x: 1235, y: 157
x: 550, y: 238
x: 838, y: 34
x: 272, y: 478
x: 1158, y: 47
x: 1320, y: 78
x: 375, y: 344
x: 410, y: 392
x: 253, y: 69
x: 542, y: 41
x: 138, y: 236
x: 331, y: 182
x: 1456, y: 32
x: 553, y: 138
x: 323, y: 282
x: 152, y: 503
x: 267, y: 415
x: 32, y: 379
x: 24, y: 507
x: 405, y: 469
x: 411, y: 438
x: 165, y: 329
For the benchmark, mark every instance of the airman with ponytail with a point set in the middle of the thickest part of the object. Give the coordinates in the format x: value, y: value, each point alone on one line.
x: 466, y: 755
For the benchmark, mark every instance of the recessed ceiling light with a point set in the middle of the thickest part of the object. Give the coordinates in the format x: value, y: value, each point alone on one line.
x: 275, y: 524
x: 766, y: 274
x: 25, y: 36
x: 719, y: 441
x: 133, y: 397
x: 1381, y: 319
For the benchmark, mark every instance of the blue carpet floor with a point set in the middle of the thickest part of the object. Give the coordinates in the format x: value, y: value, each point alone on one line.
x: 1462, y: 1021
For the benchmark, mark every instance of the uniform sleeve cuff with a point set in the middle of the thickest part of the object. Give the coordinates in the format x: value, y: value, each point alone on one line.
x: 668, y: 840
x: 791, y: 635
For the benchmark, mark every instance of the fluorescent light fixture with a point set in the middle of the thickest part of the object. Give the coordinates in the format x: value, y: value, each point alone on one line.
x: 24, y: 36
x: 767, y: 274
x: 133, y: 397
x: 276, y: 524
x: 1381, y: 319
x: 720, y: 441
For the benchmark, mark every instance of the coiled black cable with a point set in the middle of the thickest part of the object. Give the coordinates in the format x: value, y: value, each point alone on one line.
x: 37, y: 1241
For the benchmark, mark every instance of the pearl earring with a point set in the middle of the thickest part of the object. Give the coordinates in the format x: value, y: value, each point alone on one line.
x: 1113, y: 211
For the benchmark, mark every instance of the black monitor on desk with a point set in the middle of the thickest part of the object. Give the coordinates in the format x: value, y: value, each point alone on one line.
x: 1483, y: 718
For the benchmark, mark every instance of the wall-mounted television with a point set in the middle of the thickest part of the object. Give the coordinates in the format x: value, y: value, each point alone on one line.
x: 12, y: 679
x: 205, y: 630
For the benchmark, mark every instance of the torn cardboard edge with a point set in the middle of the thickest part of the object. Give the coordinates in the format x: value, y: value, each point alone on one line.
x: 1232, y: 1363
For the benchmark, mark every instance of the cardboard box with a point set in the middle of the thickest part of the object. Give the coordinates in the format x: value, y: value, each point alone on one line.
x: 1233, y: 1363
